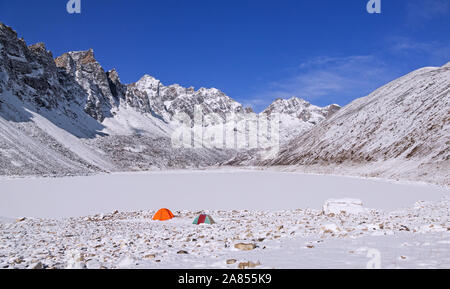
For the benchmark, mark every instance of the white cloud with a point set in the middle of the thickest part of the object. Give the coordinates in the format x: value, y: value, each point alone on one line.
x: 331, y: 79
x: 434, y: 52
x: 324, y: 80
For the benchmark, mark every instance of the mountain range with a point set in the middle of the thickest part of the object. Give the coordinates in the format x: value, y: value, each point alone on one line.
x: 68, y: 116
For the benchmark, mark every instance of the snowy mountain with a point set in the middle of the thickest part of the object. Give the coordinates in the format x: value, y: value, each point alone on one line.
x: 167, y: 101
x: 400, y: 130
x: 301, y: 109
x: 298, y: 116
x: 70, y: 116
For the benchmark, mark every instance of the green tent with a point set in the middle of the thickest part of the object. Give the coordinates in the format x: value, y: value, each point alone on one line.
x: 204, y: 219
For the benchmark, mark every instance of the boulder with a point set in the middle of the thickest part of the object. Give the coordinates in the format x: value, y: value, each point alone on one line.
x: 245, y: 247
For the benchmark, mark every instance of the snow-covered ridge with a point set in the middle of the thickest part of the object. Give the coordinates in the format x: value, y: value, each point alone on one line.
x: 399, y: 131
x: 407, y: 120
x: 115, y: 126
x: 301, y: 109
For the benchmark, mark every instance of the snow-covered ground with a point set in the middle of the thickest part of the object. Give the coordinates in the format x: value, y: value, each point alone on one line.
x: 278, y: 215
x: 222, y: 189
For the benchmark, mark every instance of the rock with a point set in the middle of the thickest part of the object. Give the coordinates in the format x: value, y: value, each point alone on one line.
x: 330, y: 228
x: 249, y: 264
x: 20, y: 220
x: 37, y: 266
x: 404, y: 228
x: 310, y: 246
x: 181, y: 252
x: 150, y: 256
x: 18, y: 260
x: 231, y: 261
x: 245, y: 247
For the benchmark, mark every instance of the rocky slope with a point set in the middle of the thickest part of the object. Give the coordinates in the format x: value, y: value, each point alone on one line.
x: 415, y: 237
x: 298, y: 116
x: 401, y: 130
x: 70, y: 116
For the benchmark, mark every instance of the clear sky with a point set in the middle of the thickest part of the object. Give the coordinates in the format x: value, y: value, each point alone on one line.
x: 325, y: 51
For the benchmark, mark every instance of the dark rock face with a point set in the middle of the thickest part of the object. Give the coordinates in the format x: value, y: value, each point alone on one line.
x: 91, y: 77
x: 77, y: 77
x: 52, y: 113
x: 28, y: 71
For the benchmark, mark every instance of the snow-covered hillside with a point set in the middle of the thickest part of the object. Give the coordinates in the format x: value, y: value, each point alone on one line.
x: 298, y: 116
x: 401, y: 130
x: 70, y: 116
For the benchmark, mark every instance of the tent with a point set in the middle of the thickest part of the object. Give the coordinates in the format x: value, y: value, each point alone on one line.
x: 204, y: 219
x: 163, y: 215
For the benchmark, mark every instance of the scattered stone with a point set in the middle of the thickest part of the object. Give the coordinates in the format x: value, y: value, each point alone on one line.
x: 231, y: 261
x: 150, y: 256
x: 404, y: 228
x: 248, y: 264
x: 37, y: 266
x: 182, y: 252
x: 245, y: 247
x: 21, y: 220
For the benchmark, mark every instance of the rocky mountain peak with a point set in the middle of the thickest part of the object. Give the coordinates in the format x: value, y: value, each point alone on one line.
x: 113, y: 75
x: 147, y: 82
x: 7, y: 31
x: 89, y: 74
x: 39, y: 48
x: 289, y: 106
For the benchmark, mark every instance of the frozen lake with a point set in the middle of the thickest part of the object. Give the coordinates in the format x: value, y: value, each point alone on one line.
x: 199, y: 190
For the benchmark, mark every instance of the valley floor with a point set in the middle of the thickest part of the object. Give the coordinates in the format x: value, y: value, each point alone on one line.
x: 68, y: 222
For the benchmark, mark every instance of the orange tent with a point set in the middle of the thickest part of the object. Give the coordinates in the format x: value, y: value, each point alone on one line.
x: 163, y: 215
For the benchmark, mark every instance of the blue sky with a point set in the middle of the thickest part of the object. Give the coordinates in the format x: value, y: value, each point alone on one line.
x: 325, y: 51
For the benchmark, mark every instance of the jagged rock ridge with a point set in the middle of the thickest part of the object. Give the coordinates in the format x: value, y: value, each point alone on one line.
x: 69, y: 115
